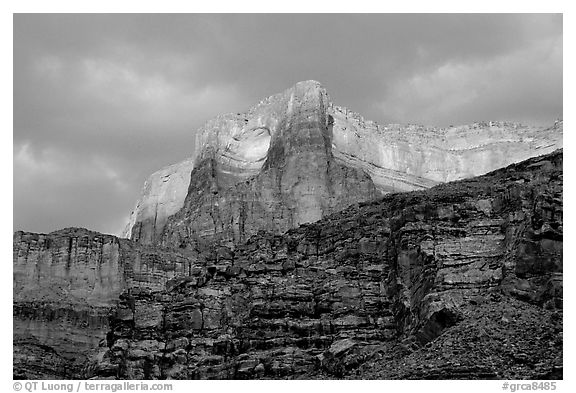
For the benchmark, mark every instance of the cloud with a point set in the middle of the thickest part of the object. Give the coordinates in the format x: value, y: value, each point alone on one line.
x: 499, y: 88
x: 63, y: 189
x: 117, y: 108
x: 49, y: 67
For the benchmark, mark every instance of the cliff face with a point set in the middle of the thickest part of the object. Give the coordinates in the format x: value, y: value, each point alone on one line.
x: 274, y: 172
x: 411, y: 157
x: 65, y: 285
x: 444, y: 283
x: 296, y: 157
x: 161, y: 197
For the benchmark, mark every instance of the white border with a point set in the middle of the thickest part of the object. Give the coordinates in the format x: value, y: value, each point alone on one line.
x: 355, y: 6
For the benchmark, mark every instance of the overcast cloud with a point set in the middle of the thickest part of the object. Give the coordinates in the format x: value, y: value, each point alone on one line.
x: 102, y: 101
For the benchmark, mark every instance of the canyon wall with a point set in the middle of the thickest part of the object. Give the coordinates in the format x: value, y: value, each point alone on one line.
x: 443, y: 283
x: 65, y: 285
x: 296, y: 157
x: 413, y: 157
x: 271, y: 253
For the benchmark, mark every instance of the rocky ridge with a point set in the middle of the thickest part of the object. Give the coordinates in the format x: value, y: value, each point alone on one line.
x: 296, y: 157
x: 441, y: 283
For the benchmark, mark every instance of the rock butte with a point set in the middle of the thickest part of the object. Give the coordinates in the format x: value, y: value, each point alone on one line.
x: 296, y: 157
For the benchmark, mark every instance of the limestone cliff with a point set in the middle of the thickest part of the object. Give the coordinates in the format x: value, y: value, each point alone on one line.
x: 296, y: 157
x: 254, y: 258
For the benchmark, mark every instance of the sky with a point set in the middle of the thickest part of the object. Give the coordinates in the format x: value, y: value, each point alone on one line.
x: 103, y: 100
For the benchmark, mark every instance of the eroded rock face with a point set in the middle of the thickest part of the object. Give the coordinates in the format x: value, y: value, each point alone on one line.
x: 412, y: 157
x: 272, y: 171
x: 440, y: 283
x: 161, y: 197
x: 460, y: 281
x: 65, y: 285
x: 296, y: 157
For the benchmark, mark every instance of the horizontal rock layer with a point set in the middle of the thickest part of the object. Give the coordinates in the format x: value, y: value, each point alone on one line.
x: 413, y: 157
x: 460, y: 281
x: 296, y: 157
x: 368, y: 290
x: 65, y: 285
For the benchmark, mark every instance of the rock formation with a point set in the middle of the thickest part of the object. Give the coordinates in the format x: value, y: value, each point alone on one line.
x: 272, y: 173
x: 162, y: 196
x: 296, y: 157
x: 440, y: 283
x: 65, y: 285
x: 412, y: 157
x: 271, y: 253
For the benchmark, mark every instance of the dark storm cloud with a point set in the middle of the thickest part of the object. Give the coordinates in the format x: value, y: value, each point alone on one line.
x: 101, y: 101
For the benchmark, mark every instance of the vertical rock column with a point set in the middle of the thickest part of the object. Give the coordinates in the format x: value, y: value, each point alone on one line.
x: 301, y: 155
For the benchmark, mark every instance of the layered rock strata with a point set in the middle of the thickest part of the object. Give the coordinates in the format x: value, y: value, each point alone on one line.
x: 296, y: 157
x: 211, y: 285
x: 413, y: 157
x: 460, y: 281
x: 65, y: 285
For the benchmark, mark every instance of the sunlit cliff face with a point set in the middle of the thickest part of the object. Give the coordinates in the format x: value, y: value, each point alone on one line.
x: 299, y: 136
x: 253, y: 145
x: 246, y: 150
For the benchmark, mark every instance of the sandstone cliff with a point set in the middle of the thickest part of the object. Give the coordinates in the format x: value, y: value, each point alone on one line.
x: 444, y: 283
x: 460, y: 281
x: 296, y: 157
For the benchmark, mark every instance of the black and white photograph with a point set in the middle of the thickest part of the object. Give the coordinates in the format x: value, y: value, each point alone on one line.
x: 287, y: 196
